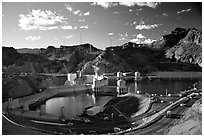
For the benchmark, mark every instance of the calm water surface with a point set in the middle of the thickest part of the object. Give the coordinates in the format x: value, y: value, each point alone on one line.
x: 159, y: 86
x: 75, y: 104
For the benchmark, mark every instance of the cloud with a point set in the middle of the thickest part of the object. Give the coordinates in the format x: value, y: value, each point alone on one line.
x: 125, y: 35
x: 105, y: 4
x: 140, y: 36
x: 148, y: 41
x: 116, y: 12
x: 33, y: 38
x: 84, y: 27
x: 182, y: 11
x: 127, y: 4
x: 102, y: 4
x: 126, y: 24
x: 81, y: 20
x: 67, y: 27
x: 68, y: 37
x: 122, y: 39
x: 141, y: 4
x: 141, y: 39
x: 76, y: 12
x: 110, y: 34
x: 136, y: 40
x: 86, y: 13
x: 143, y: 26
x: 148, y: 4
x: 68, y: 7
x: 133, y: 23
x: 41, y: 20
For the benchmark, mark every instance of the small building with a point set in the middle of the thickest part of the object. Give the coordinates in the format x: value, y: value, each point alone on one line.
x: 94, y: 110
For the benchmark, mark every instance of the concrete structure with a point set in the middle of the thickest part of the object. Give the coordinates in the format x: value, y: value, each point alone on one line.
x: 121, y: 86
x: 89, y: 78
x: 137, y: 75
x: 121, y: 83
x: 119, y: 74
x: 94, y: 110
x: 71, y: 77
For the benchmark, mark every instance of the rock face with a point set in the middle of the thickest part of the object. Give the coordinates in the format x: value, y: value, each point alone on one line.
x: 182, y: 45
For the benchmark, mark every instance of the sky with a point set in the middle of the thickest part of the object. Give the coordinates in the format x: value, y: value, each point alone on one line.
x: 102, y: 24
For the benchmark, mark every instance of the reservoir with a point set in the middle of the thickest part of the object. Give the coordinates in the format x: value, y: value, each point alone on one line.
x: 75, y: 104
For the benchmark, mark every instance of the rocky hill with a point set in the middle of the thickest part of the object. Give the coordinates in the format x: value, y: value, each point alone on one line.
x: 175, y: 51
x: 9, y: 56
x: 182, y: 45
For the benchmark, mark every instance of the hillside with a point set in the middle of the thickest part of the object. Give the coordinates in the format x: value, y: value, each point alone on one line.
x: 182, y: 45
x: 175, y: 51
x: 180, y: 50
x: 191, y: 123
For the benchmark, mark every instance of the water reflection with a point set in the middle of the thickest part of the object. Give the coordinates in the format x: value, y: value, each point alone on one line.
x: 74, y: 105
x: 160, y: 86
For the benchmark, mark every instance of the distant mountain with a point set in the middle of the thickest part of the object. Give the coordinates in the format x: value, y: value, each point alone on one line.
x: 179, y: 50
x: 9, y: 56
x: 27, y: 50
x: 182, y: 45
x: 64, y: 59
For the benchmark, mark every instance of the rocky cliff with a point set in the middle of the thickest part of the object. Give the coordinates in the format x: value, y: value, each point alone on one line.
x: 182, y: 45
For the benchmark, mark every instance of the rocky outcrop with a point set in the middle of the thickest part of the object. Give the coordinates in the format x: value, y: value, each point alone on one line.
x: 184, y: 45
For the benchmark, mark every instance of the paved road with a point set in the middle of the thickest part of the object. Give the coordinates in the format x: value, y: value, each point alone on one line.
x: 161, y: 126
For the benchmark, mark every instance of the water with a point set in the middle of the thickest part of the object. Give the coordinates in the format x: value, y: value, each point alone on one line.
x: 74, y: 105
x: 160, y: 86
